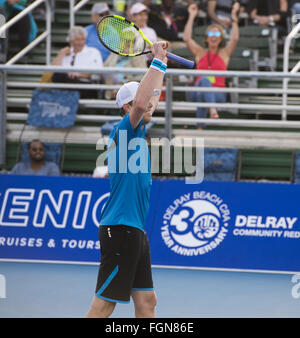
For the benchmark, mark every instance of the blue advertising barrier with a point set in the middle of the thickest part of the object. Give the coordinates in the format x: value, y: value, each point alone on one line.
x: 212, y: 225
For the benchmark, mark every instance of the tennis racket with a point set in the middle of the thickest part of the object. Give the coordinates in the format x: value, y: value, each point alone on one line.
x: 124, y: 38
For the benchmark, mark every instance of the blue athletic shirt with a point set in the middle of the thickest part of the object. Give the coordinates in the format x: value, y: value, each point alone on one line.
x: 93, y: 41
x: 130, y: 176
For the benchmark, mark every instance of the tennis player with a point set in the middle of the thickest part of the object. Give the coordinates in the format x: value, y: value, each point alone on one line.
x: 125, y: 268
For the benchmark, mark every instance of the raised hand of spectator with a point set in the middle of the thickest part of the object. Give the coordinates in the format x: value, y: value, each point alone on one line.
x: 235, y: 11
x: 193, y: 10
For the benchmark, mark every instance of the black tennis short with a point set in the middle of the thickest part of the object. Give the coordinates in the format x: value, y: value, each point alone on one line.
x: 125, y: 263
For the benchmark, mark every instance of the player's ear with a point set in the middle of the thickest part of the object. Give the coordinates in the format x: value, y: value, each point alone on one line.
x: 126, y: 108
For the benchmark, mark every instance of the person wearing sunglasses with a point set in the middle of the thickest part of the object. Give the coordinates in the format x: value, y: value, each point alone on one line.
x: 211, y: 56
x: 36, y: 164
x: 99, y: 10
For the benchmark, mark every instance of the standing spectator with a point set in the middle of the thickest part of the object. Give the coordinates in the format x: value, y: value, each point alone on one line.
x: 139, y: 15
x: 26, y: 27
x: 211, y: 57
x: 269, y: 13
x: 78, y: 54
x: 219, y: 11
x: 98, y: 11
x: 168, y: 20
x: 37, y: 165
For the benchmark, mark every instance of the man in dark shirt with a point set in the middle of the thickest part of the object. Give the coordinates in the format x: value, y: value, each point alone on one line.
x: 269, y: 12
x: 168, y: 19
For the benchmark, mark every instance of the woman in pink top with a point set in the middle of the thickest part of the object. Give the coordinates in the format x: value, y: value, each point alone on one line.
x: 211, y: 56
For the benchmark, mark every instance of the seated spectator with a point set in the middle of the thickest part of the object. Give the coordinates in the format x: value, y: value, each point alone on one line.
x: 211, y: 57
x: 99, y: 10
x: 78, y: 55
x: 139, y: 15
x: 36, y: 164
x: 26, y: 27
x: 270, y: 13
x: 168, y: 20
x: 219, y: 11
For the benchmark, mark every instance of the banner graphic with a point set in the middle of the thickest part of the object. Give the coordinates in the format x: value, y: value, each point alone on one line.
x: 216, y: 225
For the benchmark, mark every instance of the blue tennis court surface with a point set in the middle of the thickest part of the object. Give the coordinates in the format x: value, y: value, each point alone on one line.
x: 63, y: 290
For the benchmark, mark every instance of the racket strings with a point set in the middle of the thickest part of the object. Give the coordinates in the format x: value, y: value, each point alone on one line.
x: 120, y: 36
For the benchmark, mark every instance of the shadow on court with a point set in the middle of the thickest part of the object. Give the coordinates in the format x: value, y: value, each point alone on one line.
x: 62, y: 290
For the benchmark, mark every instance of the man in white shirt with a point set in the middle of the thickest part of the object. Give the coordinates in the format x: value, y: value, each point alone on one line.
x: 78, y: 54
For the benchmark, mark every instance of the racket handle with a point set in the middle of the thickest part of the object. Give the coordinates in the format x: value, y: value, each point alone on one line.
x: 183, y: 61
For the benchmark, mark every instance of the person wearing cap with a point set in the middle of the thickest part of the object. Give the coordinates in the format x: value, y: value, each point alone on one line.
x: 139, y: 15
x: 125, y: 267
x: 115, y: 60
x: 99, y: 10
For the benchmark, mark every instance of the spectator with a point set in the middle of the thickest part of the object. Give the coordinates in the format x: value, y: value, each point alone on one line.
x: 269, y: 13
x: 139, y: 15
x: 78, y: 55
x: 26, y: 27
x: 98, y: 11
x: 36, y: 164
x: 168, y: 20
x: 115, y: 60
x: 219, y: 11
x: 212, y: 57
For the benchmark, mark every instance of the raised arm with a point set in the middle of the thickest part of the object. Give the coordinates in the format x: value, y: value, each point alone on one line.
x: 192, y: 45
x: 152, y: 80
x: 234, y: 38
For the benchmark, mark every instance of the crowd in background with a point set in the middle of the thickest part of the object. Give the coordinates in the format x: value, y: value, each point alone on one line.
x: 171, y: 20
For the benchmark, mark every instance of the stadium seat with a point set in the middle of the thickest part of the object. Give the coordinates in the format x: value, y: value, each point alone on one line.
x: 220, y: 164
x: 264, y: 39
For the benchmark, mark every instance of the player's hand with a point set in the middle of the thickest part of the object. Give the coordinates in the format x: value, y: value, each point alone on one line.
x: 159, y: 51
